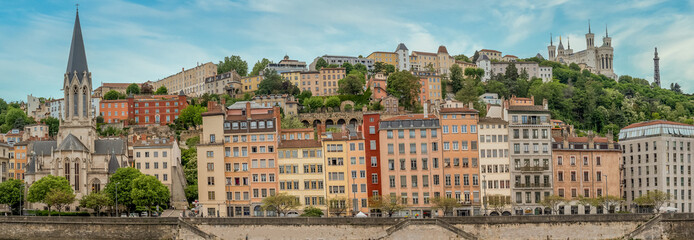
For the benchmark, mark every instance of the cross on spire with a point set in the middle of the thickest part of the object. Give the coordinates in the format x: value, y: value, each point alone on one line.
x: 588, y: 25
x: 77, y: 6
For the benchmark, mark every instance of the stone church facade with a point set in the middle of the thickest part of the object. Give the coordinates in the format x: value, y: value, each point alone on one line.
x: 78, y: 154
x: 596, y: 59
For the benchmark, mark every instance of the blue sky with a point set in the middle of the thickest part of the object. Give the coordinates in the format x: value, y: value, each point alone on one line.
x: 136, y: 41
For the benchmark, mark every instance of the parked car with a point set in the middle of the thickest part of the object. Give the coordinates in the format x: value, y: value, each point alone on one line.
x: 133, y: 215
x: 144, y: 214
x: 123, y: 215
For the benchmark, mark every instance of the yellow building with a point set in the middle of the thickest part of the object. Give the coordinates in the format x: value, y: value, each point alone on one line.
x: 301, y: 174
x: 190, y: 81
x: 250, y: 84
x: 440, y: 61
x: 384, y: 57
x: 346, y: 172
x: 294, y: 77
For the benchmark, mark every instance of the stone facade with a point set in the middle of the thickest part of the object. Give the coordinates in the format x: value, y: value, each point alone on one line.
x: 597, y: 59
x: 190, y: 81
x: 339, y: 60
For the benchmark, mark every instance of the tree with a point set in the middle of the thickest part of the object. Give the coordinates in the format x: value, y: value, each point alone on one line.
x: 321, y: 63
x: 233, y: 63
x: 475, y: 56
x: 132, y: 89
x: 456, y: 77
x: 338, y: 206
x: 654, y: 199
x: 311, y: 211
x: 273, y: 83
x: 281, y: 203
x: 462, y: 57
x: 259, y: 67
x: 447, y: 204
x: 161, y: 91
x: 497, y: 202
x: 387, y: 204
x: 148, y: 191
x: 404, y: 86
x: 191, y: 116
x: 304, y: 95
x: 360, y: 68
x: 40, y: 189
x: 15, y: 118
x: 553, y: 202
x: 11, y: 194
x: 114, y: 95
x: 59, y: 198
x: 96, y: 201
x: 291, y: 122
x: 350, y: 85
x: 475, y: 73
x: 675, y: 87
x: 122, y: 181
x: 348, y: 67
x: 146, y: 89
x: 332, y: 102
x: 313, y: 103
x: 53, y: 125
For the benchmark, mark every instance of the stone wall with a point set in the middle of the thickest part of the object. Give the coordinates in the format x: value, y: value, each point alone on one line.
x: 613, y: 226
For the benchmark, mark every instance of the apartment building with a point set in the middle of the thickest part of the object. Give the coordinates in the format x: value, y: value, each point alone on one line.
x: 237, y: 158
x: 378, y: 85
x: 216, y: 84
x: 287, y: 65
x: 5, y: 150
x: 414, y: 176
x: 36, y: 131
x: 301, y: 172
x: 191, y: 81
x: 440, y: 61
x: 339, y: 60
x: 384, y: 57
x: 293, y: 76
x: 461, y: 171
x: 144, y: 109
x: 346, y: 172
x: 330, y: 78
x: 114, y: 111
x: 494, y: 164
x: 287, y: 102
x: 431, y: 86
x: 310, y: 81
x: 657, y: 155
x: 372, y: 153
x: 585, y: 167
x: 161, y: 158
x: 531, y: 171
x: 19, y: 161
x: 251, y: 83
x: 491, y: 54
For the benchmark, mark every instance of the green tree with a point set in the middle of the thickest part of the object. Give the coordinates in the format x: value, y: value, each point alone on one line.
x: 311, y: 211
x: 321, y: 63
x: 553, y: 202
x: 132, y: 89
x: 313, y: 103
x: 96, y: 201
x: 447, y: 204
x: 122, y: 181
x: 360, y: 68
x: 161, y: 91
x: 350, y: 85
x: 53, y: 125
x: 11, y: 194
x: 386, y: 204
x: 114, y: 95
x: 462, y: 57
x: 404, y: 86
x: 654, y: 199
x: 475, y: 73
x: 348, y: 67
x: 259, y: 67
x: 59, y: 198
x: 281, y: 203
x: 304, y: 95
x: 332, y: 102
x: 148, y: 191
x: 191, y: 116
x: 497, y: 203
x: 456, y: 77
x: 291, y: 122
x: 40, y: 189
x: 273, y: 83
x: 16, y: 118
x: 233, y: 63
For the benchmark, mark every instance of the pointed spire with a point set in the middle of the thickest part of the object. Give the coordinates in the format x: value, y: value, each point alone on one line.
x: 561, y: 46
x: 550, y: 39
x: 606, y: 35
x: 568, y: 43
x: 589, y: 26
x: 77, y: 62
x: 656, y: 53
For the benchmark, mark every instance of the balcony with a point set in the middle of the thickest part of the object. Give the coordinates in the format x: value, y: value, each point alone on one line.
x: 533, y: 168
x: 532, y: 185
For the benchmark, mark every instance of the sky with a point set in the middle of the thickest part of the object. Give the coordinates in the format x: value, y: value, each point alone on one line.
x: 137, y: 41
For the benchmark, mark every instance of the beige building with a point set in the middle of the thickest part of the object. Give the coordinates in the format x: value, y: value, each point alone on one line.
x: 494, y: 164
x: 161, y: 158
x: 533, y: 69
x: 191, y: 81
x: 491, y: 54
x: 251, y: 84
x: 294, y: 77
x: 216, y: 84
x: 301, y: 172
x: 118, y: 87
x: 440, y: 61
x: 5, y: 157
x: 287, y: 102
x: 384, y: 57
x: 597, y: 59
x: 36, y: 131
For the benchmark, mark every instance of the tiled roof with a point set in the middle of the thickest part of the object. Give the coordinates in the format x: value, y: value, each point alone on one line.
x: 534, y: 108
x: 299, y: 144
x: 108, y: 146
x: 423, y: 53
x: 654, y: 122
x: 457, y: 110
x: 492, y: 120
x: 71, y: 143
x: 411, y: 117
x: 489, y: 50
x: 581, y: 139
x: 442, y: 49
x: 510, y: 56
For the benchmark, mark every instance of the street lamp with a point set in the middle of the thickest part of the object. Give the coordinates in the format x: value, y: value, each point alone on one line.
x: 21, y: 198
x: 607, y: 194
x: 484, y: 188
x: 117, y: 199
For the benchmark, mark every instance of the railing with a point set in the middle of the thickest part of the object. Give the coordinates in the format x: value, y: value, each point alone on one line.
x: 533, y: 168
x: 532, y: 185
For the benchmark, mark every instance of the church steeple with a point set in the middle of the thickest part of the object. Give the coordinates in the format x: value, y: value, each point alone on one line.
x: 77, y: 62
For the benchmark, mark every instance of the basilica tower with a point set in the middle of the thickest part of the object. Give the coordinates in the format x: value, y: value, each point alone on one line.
x: 656, y: 68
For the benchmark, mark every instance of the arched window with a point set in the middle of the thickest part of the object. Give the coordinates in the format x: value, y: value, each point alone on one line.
x: 67, y: 170
x: 77, y: 176
x: 96, y: 185
x: 75, y: 98
x: 84, y: 102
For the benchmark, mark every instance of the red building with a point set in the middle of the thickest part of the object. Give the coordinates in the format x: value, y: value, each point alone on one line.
x: 144, y: 109
x: 372, y: 154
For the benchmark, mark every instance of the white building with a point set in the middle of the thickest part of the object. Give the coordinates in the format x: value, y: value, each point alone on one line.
x: 494, y: 163
x: 403, y: 57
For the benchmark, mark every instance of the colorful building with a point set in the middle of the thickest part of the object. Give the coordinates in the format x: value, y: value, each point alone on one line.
x: 372, y: 154
x: 301, y: 172
x: 330, y: 77
x: 346, y: 172
x: 378, y: 85
x: 384, y: 57
x: 431, y: 86
x: 494, y: 164
x: 20, y: 159
x: 144, y: 109
x: 461, y: 172
x: 293, y: 76
x: 251, y: 84
x: 440, y: 61
x: 114, y: 111
x: 161, y: 158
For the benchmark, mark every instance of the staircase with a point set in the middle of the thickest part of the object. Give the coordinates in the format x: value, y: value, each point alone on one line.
x: 455, y: 229
x: 650, y: 223
x: 178, y: 186
x: 439, y: 222
x: 188, y: 230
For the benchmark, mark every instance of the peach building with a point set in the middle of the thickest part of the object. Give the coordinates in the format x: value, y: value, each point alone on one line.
x: 114, y: 111
x: 237, y: 159
x: 411, y: 162
x: 250, y: 84
x: 301, y: 172
x: 328, y: 81
x: 310, y: 81
x: 20, y: 160
x: 346, y: 172
x: 431, y: 86
x: 585, y: 167
x: 378, y: 85
x: 461, y: 173
x: 441, y: 61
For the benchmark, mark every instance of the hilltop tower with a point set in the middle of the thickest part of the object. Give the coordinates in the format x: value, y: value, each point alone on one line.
x: 656, y: 68
x: 551, y: 49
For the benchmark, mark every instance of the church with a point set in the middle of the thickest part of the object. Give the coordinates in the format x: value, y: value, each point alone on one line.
x: 78, y: 154
x: 597, y: 60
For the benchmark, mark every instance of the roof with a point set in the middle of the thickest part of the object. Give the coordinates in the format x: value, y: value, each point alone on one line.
x: 411, y: 117
x: 110, y: 145
x: 31, y: 166
x: 341, y: 136
x: 423, y: 53
x: 300, y: 144
x: 401, y: 46
x: 71, y: 143
x: 458, y: 110
x: 44, y: 148
x: 534, y: 108
x: 510, y: 56
x: 113, y: 164
x: 242, y: 105
x: 118, y: 85
x: 484, y: 57
x: 442, y: 49
x: 77, y: 62
x: 489, y: 50
x: 654, y: 122
x: 581, y: 139
x: 492, y: 120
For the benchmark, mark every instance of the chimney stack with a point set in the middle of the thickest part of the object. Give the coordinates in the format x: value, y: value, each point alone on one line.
x: 426, y: 109
x: 591, y: 140
x: 248, y: 110
x: 544, y: 104
x: 224, y: 101
x: 610, y: 139
x: 565, y: 139
x: 471, y: 105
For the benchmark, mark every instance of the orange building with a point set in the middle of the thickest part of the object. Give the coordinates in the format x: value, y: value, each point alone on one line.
x: 431, y: 86
x: 20, y: 160
x: 460, y: 158
x: 378, y: 85
x: 114, y: 111
x: 411, y: 162
x: 585, y: 167
x: 346, y: 171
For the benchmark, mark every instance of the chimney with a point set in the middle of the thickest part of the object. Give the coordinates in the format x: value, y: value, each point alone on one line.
x: 610, y: 139
x: 544, y: 104
x: 211, y: 105
x: 278, y: 116
x: 426, y: 109
x: 591, y: 140
x: 565, y: 140
x: 248, y: 110
x: 224, y: 101
x: 471, y: 105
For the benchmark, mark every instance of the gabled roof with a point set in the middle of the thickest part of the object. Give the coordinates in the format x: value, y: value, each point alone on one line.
x: 401, y: 46
x: 43, y: 148
x: 77, y: 62
x: 442, y: 49
x: 113, y: 164
x: 71, y: 143
x: 109, y: 146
